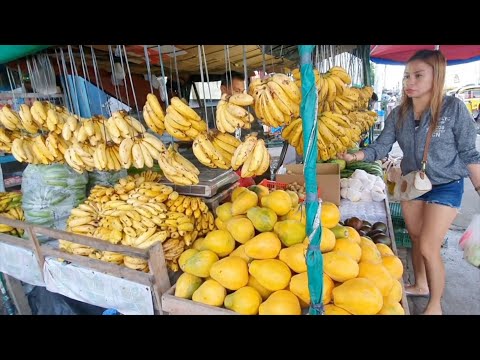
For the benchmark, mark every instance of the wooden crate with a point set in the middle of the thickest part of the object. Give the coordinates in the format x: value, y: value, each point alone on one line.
x: 157, y: 279
x: 178, y: 306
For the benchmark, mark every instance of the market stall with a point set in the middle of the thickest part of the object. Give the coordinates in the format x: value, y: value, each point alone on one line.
x: 182, y: 237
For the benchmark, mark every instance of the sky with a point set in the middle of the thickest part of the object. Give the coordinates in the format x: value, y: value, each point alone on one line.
x: 390, y: 76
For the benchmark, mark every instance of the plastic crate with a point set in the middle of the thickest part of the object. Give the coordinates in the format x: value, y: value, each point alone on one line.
x: 402, y: 238
x: 273, y: 185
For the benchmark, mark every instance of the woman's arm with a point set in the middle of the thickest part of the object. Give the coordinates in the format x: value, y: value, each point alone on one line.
x: 474, y: 170
x: 382, y: 145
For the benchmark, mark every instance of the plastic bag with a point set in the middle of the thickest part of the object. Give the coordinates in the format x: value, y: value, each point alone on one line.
x: 50, y: 192
x: 104, y: 178
x: 470, y: 242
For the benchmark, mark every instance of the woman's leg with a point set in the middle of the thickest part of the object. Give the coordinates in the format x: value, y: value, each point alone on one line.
x: 413, y: 214
x: 436, y: 222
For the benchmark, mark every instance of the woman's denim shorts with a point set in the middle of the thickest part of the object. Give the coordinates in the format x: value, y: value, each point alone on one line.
x: 449, y: 194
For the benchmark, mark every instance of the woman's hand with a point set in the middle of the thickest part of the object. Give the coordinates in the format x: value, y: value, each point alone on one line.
x: 347, y: 157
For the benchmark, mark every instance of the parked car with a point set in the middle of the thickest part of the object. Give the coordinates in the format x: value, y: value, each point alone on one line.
x: 470, y: 96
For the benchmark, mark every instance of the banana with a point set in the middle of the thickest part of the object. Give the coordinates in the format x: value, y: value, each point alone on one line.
x: 257, y: 155
x: 339, y: 84
x: 241, y: 153
x: 154, y: 104
x: 184, y: 109
x: 151, y: 123
x: 147, y: 157
x: 175, y: 132
x: 222, y: 124
x: 265, y: 164
x: 332, y: 89
x: 241, y: 99
x: 288, y: 86
x: 342, y: 74
x: 137, y: 155
x: 273, y: 109
x: 154, y: 141
x: 27, y: 120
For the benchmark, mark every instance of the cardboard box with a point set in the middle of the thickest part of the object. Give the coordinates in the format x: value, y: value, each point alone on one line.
x: 328, y: 179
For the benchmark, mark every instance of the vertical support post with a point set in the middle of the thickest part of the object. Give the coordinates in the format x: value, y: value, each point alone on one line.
x: 308, y: 112
x: 158, y: 267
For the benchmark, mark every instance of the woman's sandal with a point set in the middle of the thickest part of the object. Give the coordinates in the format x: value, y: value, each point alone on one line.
x: 412, y: 291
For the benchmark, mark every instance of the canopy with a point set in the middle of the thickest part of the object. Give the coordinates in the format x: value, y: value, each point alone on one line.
x: 399, y: 54
x: 13, y: 52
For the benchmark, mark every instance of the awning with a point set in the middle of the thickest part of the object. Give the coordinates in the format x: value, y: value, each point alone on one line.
x: 399, y: 54
x: 12, y: 52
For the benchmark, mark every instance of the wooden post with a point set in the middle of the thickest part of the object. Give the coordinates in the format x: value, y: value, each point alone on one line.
x: 36, y: 248
x: 15, y: 290
x: 161, y: 282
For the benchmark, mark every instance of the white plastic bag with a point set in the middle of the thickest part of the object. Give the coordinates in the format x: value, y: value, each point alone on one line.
x: 470, y: 242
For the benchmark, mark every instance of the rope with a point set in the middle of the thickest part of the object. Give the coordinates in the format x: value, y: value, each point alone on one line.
x: 85, y: 75
x: 74, y: 87
x: 125, y: 82
x: 203, y: 84
x: 208, y: 82
x: 176, y: 72
x: 226, y: 64
x: 69, y: 102
x: 112, y: 66
x: 131, y: 81
x: 164, y: 84
x: 263, y: 57
x: 147, y: 61
x: 98, y: 79
x: 75, y: 74
x: 11, y: 87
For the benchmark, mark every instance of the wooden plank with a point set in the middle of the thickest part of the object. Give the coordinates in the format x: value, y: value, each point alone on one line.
x: 160, y: 280
x: 17, y: 294
x: 16, y: 241
x: 391, y: 234
x: 92, y: 242
x: 178, y: 306
x: 36, y: 246
x: 101, y: 266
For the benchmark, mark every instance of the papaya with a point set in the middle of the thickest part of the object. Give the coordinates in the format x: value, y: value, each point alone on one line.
x: 290, y: 232
x: 281, y: 302
x: 224, y: 211
x: 245, y: 301
x: 271, y: 273
x: 210, y: 293
x: 241, y: 229
x: 331, y: 309
x: 263, y: 246
x: 260, y: 190
x: 394, y: 266
x: 391, y: 308
x: 240, y: 252
x: 294, y: 257
x: 187, y: 254
x: 340, y: 266
x: 378, y: 274
x: 395, y: 294
x: 246, y: 200
x: 200, y: 263
x: 349, y: 247
x: 293, y: 197
x: 263, y: 219
x: 186, y: 285
x: 264, y: 293
x: 220, y: 242
x: 330, y: 214
x: 236, y: 192
x: 299, y: 286
x: 297, y: 213
x: 279, y: 201
x: 384, y: 249
x: 230, y: 272
x: 358, y: 296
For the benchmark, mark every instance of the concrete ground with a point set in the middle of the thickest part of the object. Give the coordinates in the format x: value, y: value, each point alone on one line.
x: 462, y: 290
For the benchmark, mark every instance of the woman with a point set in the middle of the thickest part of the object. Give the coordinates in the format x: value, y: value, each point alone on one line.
x: 451, y: 157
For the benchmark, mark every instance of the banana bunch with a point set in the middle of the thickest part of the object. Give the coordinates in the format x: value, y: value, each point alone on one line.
x: 207, y: 154
x: 140, y: 151
x: 11, y: 207
x: 6, y: 138
x: 37, y: 150
x: 225, y: 144
x: 277, y: 100
x: 335, y: 133
x: 363, y: 120
x: 252, y: 155
x: 139, y: 212
x: 231, y: 115
x: 176, y: 168
x: 121, y: 126
x: 9, y: 200
x: 364, y: 96
x: 10, y: 118
x: 182, y: 122
x: 153, y: 114
x: 193, y: 207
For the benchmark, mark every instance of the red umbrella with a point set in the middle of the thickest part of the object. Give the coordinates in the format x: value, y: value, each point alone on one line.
x: 399, y: 54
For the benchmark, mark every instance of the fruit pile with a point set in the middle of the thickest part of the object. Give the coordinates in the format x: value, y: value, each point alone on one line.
x: 11, y: 207
x: 255, y: 262
x: 139, y: 212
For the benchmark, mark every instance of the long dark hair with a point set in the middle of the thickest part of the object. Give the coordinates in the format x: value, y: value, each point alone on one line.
x: 437, y: 61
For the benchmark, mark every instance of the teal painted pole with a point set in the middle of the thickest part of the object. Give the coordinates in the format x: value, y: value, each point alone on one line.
x: 308, y: 112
